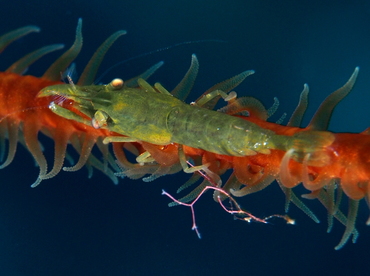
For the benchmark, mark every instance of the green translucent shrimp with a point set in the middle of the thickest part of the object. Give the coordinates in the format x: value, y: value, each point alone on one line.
x: 154, y: 115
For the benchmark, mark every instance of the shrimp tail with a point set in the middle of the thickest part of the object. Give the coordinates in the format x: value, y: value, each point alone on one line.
x: 310, y: 144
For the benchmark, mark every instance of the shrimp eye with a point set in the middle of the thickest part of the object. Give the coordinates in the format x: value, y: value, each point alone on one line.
x: 116, y: 84
x: 100, y: 119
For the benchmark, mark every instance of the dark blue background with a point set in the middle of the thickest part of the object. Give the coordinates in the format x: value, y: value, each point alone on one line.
x: 72, y: 225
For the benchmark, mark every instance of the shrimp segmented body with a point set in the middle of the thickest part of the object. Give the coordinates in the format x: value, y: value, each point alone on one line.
x: 154, y: 115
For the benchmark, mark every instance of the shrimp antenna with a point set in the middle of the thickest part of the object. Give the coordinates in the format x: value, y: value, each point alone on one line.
x: 156, y: 51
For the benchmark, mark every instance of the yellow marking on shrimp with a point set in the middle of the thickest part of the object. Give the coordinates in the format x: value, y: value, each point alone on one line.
x: 119, y: 106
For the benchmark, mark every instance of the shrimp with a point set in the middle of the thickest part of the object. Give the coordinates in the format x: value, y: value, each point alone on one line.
x: 154, y: 115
